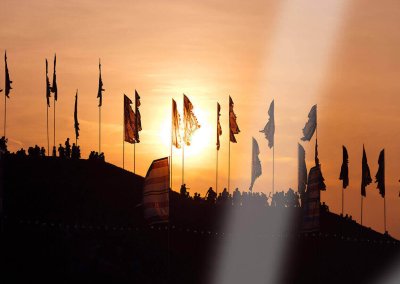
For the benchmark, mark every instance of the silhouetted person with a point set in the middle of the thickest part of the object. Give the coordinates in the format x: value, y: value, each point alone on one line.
x: 184, y: 190
x: 3, y: 145
x: 211, y: 195
x: 61, y: 152
x: 67, y: 149
x: 78, y: 152
x: 42, y: 152
x: 236, y: 197
x: 225, y: 194
x: 54, y: 151
x: 74, y: 154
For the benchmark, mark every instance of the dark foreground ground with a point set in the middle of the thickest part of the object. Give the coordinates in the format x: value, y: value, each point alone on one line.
x: 78, y: 221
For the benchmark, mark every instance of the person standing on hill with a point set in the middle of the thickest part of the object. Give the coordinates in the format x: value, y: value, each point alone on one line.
x: 67, y: 149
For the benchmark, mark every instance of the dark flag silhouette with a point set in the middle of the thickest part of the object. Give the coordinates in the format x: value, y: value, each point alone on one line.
x: 76, y: 123
x: 8, y: 82
x: 138, y: 118
x: 311, y: 125
x: 380, y: 175
x: 189, y: 119
x: 219, y: 129
x: 129, y: 121
x: 269, y: 129
x: 302, y: 170
x: 316, y: 153
x: 366, y: 175
x: 233, y: 126
x: 48, y: 86
x: 54, y: 88
x: 156, y: 192
x: 100, y: 89
x: 176, y: 136
x: 255, y: 164
x: 344, y: 170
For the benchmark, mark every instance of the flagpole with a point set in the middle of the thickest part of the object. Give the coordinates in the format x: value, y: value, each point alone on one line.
x: 229, y: 165
x: 5, y: 113
x: 47, y: 118
x: 342, y: 201
x: 183, y: 162
x: 273, y: 169
x: 384, y: 212
x: 172, y: 125
x: 361, y: 210
x: 134, y: 158
x: 54, y: 126
x: 123, y: 134
x: 99, y: 130
x: 216, y: 176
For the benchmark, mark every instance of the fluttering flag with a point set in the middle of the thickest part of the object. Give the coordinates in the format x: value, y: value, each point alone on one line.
x: 219, y: 128
x: 311, y: 125
x: 54, y: 88
x: 156, y: 192
x: 100, y: 90
x: 129, y: 121
x: 269, y: 129
x: 138, y: 118
x: 48, y: 87
x: 76, y: 123
x: 316, y: 153
x: 189, y: 120
x: 176, y: 136
x: 380, y: 175
x: 255, y: 164
x: 7, y: 81
x: 344, y: 170
x: 366, y: 175
x: 233, y: 126
x: 302, y: 171
x: 311, y: 207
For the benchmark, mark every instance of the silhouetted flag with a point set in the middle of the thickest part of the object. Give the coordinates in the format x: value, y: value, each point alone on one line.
x: 129, y: 121
x: 138, y: 118
x: 219, y: 129
x: 48, y: 87
x: 311, y: 216
x: 311, y: 125
x: 344, y: 170
x: 255, y: 164
x: 7, y: 80
x: 316, y: 153
x: 156, y: 192
x: 189, y: 119
x: 76, y: 123
x: 302, y: 171
x: 269, y: 129
x: 54, y: 88
x: 176, y: 136
x: 366, y: 175
x: 233, y: 126
x: 380, y: 175
x: 100, y: 90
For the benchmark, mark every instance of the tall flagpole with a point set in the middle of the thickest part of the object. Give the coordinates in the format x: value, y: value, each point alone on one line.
x: 384, y: 211
x: 134, y: 158
x: 99, y: 130
x: 216, y: 171
x: 5, y: 113
x: 54, y: 126
x: 273, y: 169
x: 342, y: 201
x: 172, y: 125
x: 47, y: 118
x: 123, y: 134
x: 361, y: 209
x: 229, y: 161
x: 183, y: 162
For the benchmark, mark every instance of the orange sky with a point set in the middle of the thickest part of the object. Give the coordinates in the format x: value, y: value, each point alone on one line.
x: 341, y: 55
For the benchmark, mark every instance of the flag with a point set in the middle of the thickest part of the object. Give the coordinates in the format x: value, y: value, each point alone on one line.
x: 138, y: 118
x: 269, y: 129
x: 176, y: 136
x: 311, y: 125
x: 76, y: 124
x: 233, y: 126
x: 366, y: 175
x: 344, y: 170
x: 54, y: 85
x: 129, y: 121
x: 156, y: 192
x: 100, y: 90
x: 7, y: 81
x: 48, y: 87
x: 189, y: 119
x: 302, y: 171
x: 311, y: 208
x: 316, y: 153
x: 255, y: 164
x: 219, y: 129
x: 380, y: 175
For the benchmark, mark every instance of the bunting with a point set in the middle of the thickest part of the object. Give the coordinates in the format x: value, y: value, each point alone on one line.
x: 380, y: 175
x: 219, y: 129
x: 129, y: 121
x: 190, y: 121
x: 269, y: 129
x: 8, y: 82
x: 156, y: 192
x: 176, y: 136
x: 366, y: 175
x: 311, y: 125
x: 344, y: 170
x: 255, y: 164
x: 100, y: 89
x: 311, y: 208
x: 233, y: 126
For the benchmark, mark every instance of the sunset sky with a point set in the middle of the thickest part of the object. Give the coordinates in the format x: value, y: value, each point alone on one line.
x: 340, y: 54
